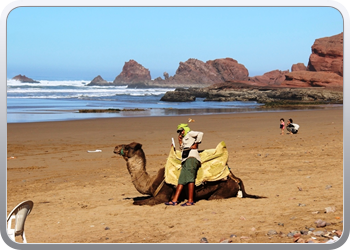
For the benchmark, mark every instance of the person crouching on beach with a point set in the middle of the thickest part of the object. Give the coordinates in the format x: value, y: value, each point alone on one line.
x: 282, y: 126
x: 190, y: 163
x: 293, y: 128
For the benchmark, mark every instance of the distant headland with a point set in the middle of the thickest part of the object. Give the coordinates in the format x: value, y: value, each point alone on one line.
x: 324, y: 69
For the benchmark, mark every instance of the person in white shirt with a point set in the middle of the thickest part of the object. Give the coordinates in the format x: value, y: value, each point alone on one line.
x: 293, y: 128
x: 190, y: 163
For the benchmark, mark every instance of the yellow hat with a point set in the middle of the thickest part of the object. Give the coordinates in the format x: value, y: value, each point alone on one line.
x: 183, y: 126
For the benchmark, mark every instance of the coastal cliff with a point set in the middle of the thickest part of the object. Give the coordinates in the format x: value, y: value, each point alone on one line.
x: 320, y: 82
x: 225, y: 79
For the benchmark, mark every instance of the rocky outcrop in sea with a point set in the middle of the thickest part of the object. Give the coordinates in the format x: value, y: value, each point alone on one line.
x: 134, y: 75
x: 24, y: 79
x: 192, y: 73
x: 98, y: 80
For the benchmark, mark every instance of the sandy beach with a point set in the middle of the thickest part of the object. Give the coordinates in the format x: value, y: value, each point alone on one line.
x: 82, y: 197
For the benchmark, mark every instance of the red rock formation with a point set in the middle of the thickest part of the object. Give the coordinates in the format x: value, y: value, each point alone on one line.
x: 166, y: 75
x: 298, y: 67
x: 275, y: 77
x: 325, y: 67
x: 327, y: 55
x: 312, y: 79
x: 194, y: 72
x: 229, y: 69
x: 133, y: 73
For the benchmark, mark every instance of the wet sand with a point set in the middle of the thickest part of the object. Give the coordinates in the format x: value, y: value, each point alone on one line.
x: 82, y: 197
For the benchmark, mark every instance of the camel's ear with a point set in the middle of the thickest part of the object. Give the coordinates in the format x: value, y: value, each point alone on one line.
x: 137, y: 146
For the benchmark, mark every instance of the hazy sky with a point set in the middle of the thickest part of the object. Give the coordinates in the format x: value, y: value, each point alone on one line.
x: 79, y: 43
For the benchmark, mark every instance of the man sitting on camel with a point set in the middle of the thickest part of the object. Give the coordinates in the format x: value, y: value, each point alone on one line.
x: 190, y: 163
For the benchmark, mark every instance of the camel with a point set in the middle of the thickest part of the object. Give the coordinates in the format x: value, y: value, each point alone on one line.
x: 161, y: 192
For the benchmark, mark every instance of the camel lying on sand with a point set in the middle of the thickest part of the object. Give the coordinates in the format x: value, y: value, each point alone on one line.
x: 160, y: 191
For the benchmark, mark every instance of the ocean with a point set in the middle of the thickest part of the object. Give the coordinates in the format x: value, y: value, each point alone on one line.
x: 51, y: 100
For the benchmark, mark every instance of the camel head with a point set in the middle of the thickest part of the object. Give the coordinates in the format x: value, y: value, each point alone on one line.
x: 127, y: 150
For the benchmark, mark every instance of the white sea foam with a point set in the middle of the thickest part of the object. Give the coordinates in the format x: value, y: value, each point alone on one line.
x: 73, y: 89
x: 42, y: 83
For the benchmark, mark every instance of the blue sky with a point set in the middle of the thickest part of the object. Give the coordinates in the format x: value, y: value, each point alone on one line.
x: 79, y: 43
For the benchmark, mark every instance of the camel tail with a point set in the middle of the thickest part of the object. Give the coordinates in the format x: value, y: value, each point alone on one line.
x: 245, y: 195
x: 241, y: 185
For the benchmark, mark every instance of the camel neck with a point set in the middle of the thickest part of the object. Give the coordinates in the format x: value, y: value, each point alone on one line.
x: 139, y: 176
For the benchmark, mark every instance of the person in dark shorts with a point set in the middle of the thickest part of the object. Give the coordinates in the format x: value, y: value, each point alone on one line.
x: 190, y: 163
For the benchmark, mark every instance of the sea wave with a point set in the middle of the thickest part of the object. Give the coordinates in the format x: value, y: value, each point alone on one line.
x: 50, y: 83
x: 74, y: 89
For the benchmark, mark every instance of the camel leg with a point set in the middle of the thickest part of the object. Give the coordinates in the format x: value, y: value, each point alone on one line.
x: 164, y: 195
x: 225, y: 190
x: 151, y: 201
x: 220, y: 194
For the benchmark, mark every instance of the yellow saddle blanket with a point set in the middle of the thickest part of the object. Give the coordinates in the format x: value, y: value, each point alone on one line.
x: 213, y: 168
